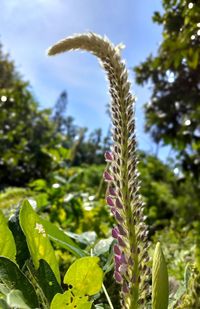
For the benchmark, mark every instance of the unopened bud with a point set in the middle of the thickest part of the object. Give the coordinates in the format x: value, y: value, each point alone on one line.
x: 107, y: 176
x: 117, y: 250
x: 110, y: 201
x: 115, y: 233
x: 118, y: 204
x: 118, y: 277
x: 111, y: 191
x: 108, y: 156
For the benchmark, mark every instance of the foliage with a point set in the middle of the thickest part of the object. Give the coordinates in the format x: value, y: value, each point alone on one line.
x: 167, y: 197
x: 69, y: 194
x: 7, y: 243
x: 38, y: 284
x: 172, y: 116
x: 8, y: 72
x: 25, y: 138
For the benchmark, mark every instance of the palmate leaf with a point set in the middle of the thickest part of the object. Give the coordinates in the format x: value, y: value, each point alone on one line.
x: 85, y: 276
x: 37, y: 239
x: 7, y: 243
x: 11, y: 278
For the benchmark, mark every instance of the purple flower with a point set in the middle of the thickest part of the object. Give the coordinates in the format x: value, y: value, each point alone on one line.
x: 107, y: 176
x: 112, y: 191
x: 118, y: 277
x: 121, y: 242
x: 118, y: 204
x: 125, y: 287
x: 118, y: 217
x: 121, y: 230
x: 117, y: 250
x: 115, y: 233
x: 108, y: 156
x: 110, y: 201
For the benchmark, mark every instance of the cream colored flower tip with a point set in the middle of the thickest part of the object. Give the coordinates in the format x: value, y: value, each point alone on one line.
x: 77, y: 39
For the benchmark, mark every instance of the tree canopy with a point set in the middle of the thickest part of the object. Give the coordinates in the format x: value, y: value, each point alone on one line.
x: 173, y: 114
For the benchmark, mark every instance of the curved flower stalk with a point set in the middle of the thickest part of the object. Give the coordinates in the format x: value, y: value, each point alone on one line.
x: 123, y: 198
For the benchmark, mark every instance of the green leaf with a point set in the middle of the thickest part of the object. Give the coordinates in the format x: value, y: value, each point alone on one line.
x: 85, y: 276
x: 60, y: 238
x: 69, y: 301
x: 160, y: 285
x: 47, y: 281
x: 7, y: 243
x: 16, y: 299
x: 187, y: 275
x: 12, y: 278
x: 103, y: 246
x: 3, y: 304
x: 37, y: 239
x: 20, y: 240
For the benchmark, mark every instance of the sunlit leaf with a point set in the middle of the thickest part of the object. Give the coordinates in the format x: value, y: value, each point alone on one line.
x: 85, y: 276
x: 60, y: 238
x: 7, y: 243
x: 37, y: 239
x: 103, y: 246
x: 16, y: 299
x: 70, y: 301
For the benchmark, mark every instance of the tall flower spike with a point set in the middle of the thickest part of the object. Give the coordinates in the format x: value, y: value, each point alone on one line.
x: 122, y: 175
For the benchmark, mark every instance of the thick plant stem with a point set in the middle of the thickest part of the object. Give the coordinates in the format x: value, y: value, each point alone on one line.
x: 130, y: 232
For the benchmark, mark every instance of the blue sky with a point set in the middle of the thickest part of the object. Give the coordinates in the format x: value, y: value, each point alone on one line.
x: 28, y: 28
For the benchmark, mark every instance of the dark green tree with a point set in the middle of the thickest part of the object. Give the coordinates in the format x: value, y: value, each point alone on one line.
x: 25, y: 137
x: 26, y: 132
x: 8, y: 73
x: 173, y: 114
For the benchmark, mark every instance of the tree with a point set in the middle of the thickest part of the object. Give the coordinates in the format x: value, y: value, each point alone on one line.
x: 25, y: 137
x: 59, y: 112
x: 25, y: 131
x: 8, y: 73
x: 173, y: 114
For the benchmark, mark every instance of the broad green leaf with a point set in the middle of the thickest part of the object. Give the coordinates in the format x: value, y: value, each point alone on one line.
x: 16, y: 299
x: 7, y: 243
x: 3, y: 304
x: 20, y: 240
x: 160, y: 285
x: 47, y: 281
x: 12, y: 278
x: 70, y: 301
x: 103, y: 246
x: 37, y: 239
x: 85, y: 276
x: 60, y: 238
